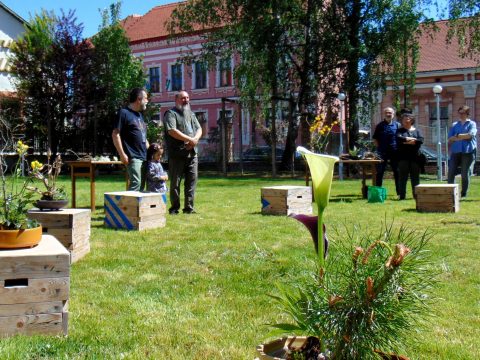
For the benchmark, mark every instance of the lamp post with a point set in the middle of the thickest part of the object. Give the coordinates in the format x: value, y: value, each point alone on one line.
x: 437, y: 89
x: 341, y: 97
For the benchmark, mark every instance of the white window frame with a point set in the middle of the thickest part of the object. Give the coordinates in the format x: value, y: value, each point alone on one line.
x: 170, y: 86
x: 194, y: 80
x: 159, y: 66
x: 219, y: 73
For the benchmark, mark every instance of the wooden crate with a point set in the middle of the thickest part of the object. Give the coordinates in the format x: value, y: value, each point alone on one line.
x: 70, y: 226
x: 285, y: 200
x: 134, y: 210
x: 437, y: 198
x: 34, y: 289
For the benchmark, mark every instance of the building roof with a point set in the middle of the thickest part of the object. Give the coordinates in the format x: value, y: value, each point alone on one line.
x: 149, y: 26
x: 13, y: 13
x: 437, y: 55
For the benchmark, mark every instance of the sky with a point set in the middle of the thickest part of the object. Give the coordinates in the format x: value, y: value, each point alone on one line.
x: 85, y: 10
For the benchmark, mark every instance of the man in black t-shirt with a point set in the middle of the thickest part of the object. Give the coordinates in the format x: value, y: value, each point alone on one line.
x: 130, y: 137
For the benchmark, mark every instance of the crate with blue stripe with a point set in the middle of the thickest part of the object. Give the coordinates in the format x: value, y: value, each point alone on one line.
x: 135, y: 210
x: 286, y: 200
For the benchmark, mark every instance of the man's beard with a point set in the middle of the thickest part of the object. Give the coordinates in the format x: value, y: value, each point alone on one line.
x: 183, y: 108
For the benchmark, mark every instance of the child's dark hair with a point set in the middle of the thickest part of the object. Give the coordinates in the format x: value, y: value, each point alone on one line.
x: 152, y: 149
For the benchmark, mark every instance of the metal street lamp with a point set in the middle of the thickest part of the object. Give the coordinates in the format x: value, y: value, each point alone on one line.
x: 341, y: 97
x: 437, y: 89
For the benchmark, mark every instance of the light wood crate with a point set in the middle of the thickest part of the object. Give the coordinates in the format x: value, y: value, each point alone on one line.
x: 70, y: 226
x: 34, y: 289
x: 286, y: 199
x: 135, y: 210
x: 437, y: 198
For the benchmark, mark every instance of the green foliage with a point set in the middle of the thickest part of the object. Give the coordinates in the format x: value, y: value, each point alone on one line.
x: 116, y: 72
x: 374, y: 292
x: 15, y: 198
x: 51, y: 64
x: 464, y: 26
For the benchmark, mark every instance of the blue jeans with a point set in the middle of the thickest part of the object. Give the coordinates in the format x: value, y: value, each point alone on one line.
x: 465, y: 161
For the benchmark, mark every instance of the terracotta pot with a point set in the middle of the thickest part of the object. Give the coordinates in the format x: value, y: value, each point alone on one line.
x: 277, y: 349
x: 17, y: 239
x: 51, y: 204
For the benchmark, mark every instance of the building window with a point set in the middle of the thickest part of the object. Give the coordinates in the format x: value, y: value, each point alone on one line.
x: 177, y: 78
x: 200, y: 75
x: 154, y: 79
x: 225, y: 72
x: 202, y: 119
x: 443, y: 116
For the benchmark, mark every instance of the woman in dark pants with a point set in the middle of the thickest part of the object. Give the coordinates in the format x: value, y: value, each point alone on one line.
x: 409, y: 140
x: 463, y: 146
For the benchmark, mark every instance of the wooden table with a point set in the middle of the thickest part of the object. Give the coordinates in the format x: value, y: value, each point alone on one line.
x: 366, y: 164
x: 90, y: 166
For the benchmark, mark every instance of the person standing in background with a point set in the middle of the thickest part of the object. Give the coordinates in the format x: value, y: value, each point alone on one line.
x: 386, y: 143
x: 463, y: 146
x: 409, y: 141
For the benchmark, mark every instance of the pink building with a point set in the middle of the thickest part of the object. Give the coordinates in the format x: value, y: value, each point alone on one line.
x: 149, y: 39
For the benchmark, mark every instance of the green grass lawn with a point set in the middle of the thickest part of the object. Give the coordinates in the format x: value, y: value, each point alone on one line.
x: 198, y: 288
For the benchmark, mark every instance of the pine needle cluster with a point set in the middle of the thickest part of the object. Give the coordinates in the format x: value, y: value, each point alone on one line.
x: 374, y: 291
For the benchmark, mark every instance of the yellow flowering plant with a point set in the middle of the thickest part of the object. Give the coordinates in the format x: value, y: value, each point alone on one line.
x: 320, y: 130
x: 15, y: 199
x: 47, y: 174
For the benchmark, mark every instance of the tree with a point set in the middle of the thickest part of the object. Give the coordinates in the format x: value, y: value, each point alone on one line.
x: 465, y: 26
x: 116, y: 72
x: 306, y: 51
x: 51, y: 67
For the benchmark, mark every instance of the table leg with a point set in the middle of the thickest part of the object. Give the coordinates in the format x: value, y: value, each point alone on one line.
x: 374, y: 175
x: 92, y: 187
x: 74, y: 185
x: 364, y: 183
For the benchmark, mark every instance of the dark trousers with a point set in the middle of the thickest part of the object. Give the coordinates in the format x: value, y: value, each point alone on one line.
x: 407, y: 168
x: 179, y: 167
x: 392, y: 159
x: 465, y: 161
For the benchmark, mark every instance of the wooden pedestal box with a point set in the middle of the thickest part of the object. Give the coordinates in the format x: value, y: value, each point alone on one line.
x: 70, y: 226
x: 134, y: 210
x: 34, y: 289
x: 437, y: 198
x: 285, y: 200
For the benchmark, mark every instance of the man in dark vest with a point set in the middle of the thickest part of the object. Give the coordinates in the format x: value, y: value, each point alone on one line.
x: 385, y: 140
x: 183, y: 132
x: 130, y: 137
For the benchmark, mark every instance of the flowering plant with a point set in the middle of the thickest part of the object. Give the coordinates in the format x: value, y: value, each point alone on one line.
x: 48, y: 174
x: 320, y: 131
x: 15, y: 199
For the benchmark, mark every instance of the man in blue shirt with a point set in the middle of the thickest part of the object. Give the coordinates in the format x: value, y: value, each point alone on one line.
x: 463, y: 147
x: 385, y: 140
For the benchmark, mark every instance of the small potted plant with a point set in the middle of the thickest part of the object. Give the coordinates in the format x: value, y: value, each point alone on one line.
x: 16, y: 229
x: 366, y: 296
x: 53, y: 196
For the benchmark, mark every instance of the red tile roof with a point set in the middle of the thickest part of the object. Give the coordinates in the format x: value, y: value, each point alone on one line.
x: 436, y: 54
x: 149, y: 26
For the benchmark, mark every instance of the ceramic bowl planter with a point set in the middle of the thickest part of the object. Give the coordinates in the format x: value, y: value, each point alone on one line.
x: 51, y: 204
x: 280, y: 349
x: 18, y: 239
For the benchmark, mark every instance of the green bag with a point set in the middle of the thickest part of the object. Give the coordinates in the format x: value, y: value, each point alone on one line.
x: 376, y: 194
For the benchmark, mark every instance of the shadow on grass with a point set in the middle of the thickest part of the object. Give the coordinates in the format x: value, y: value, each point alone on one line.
x: 349, y: 198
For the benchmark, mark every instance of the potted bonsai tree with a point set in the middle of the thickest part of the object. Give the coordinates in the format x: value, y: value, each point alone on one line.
x: 364, y: 297
x: 16, y: 229
x: 53, y: 197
